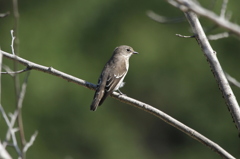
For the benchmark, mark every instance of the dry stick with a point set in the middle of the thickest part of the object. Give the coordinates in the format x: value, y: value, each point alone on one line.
x: 3, y: 153
x: 164, y: 20
x: 15, y: 72
x: 30, y: 143
x: 232, y: 80
x: 19, y: 109
x: 148, y: 108
x: 11, y: 129
x: 2, y: 15
x: 15, y: 46
x: 0, y: 77
x: 224, y: 8
x: 219, y: 36
x: 215, y: 67
x: 10, y: 126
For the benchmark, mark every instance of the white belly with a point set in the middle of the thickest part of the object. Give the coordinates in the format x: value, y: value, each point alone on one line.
x: 121, y: 83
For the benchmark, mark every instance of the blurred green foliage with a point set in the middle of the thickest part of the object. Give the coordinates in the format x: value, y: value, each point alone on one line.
x: 170, y: 73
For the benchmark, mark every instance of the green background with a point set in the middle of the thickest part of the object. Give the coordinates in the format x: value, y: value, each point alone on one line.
x: 170, y: 73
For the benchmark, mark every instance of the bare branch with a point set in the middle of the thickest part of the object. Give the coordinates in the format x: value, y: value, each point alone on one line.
x: 30, y: 143
x: 218, y: 36
x: 216, y: 68
x: 175, y: 123
x: 12, y: 123
x: 12, y: 44
x: 232, y: 80
x: 2, y: 15
x: 162, y: 19
x: 49, y: 70
x: 15, y: 72
x: 186, y: 5
x: 3, y: 153
x: 7, y: 69
x: 15, y: 47
x: 0, y: 76
x: 11, y: 129
x: 224, y: 8
x: 148, y: 108
x: 19, y: 107
x: 184, y: 36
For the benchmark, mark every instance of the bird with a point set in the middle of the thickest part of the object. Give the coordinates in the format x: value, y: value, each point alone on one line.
x: 113, y: 74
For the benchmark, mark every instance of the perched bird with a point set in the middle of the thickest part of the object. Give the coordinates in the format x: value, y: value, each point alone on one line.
x: 113, y: 73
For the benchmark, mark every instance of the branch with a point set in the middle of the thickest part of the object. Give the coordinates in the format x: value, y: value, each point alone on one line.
x: 218, y: 36
x: 188, y: 5
x: 216, y: 68
x: 15, y: 50
x: 30, y: 143
x: 164, y: 20
x: 3, y: 153
x: 148, y: 108
x: 1, y: 56
x: 12, y: 44
x: 12, y: 123
x: 184, y: 36
x: 232, y: 80
x: 224, y: 8
x: 49, y: 70
x: 2, y: 15
x: 14, y: 72
x: 11, y: 130
x: 19, y: 108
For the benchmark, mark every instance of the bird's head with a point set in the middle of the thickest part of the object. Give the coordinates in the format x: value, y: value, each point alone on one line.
x: 125, y: 50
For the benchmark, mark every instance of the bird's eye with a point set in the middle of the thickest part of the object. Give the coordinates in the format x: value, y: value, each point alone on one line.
x: 128, y: 50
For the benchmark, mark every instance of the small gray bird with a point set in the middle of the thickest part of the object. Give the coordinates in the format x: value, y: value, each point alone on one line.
x: 113, y: 73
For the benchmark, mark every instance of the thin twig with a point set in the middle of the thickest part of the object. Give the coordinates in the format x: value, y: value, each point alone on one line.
x: 7, y: 69
x: 224, y: 8
x: 148, y: 108
x: 3, y: 152
x: 2, y: 15
x: 0, y: 76
x: 30, y: 143
x: 218, y: 36
x: 12, y: 44
x: 16, y: 72
x: 164, y: 20
x: 16, y: 78
x: 16, y: 112
x: 232, y: 80
x: 12, y: 123
x: 19, y: 107
x: 11, y: 129
x: 184, y: 36
x: 23, y: 91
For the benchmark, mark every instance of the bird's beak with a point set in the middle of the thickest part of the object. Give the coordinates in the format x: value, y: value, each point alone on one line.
x: 134, y: 52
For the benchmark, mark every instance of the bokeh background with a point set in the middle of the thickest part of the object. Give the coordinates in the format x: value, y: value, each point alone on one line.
x: 170, y: 73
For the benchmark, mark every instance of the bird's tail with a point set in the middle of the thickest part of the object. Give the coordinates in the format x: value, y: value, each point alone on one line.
x: 96, y: 99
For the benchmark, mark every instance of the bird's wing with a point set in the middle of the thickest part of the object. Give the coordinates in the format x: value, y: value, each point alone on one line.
x: 113, y: 80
